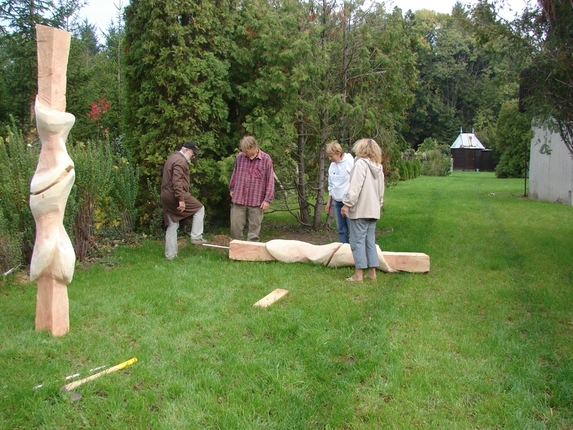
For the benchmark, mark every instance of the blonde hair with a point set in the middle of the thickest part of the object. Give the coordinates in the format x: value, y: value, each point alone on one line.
x: 248, y: 142
x: 334, y: 148
x: 368, y: 148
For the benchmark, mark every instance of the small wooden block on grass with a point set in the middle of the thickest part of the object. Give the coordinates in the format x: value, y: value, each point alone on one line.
x: 269, y: 299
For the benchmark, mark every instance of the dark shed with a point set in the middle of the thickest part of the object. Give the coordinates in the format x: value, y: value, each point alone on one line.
x: 468, y: 153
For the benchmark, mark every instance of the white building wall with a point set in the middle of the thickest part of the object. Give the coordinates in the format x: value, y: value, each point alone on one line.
x: 550, y: 168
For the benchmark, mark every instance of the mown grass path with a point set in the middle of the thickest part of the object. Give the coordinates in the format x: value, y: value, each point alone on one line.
x: 485, y: 340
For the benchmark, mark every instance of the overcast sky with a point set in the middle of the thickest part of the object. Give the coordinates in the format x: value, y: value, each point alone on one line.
x: 101, y: 12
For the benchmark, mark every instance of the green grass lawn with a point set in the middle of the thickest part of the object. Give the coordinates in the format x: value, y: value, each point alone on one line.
x: 485, y: 340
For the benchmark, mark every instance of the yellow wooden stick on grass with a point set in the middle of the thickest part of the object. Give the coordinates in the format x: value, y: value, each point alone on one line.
x: 69, y: 387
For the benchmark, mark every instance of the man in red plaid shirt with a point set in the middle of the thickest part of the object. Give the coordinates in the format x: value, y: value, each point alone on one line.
x: 252, y: 189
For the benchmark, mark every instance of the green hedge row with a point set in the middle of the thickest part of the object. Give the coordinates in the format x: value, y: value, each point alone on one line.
x: 409, y: 169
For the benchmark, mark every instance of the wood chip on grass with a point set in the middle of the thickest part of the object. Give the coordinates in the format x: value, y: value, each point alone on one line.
x: 270, y: 298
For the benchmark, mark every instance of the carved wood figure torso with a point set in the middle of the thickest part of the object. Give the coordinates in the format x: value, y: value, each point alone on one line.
x: 53, y: 258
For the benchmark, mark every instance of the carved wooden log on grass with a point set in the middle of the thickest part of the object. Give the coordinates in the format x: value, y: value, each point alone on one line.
x: 331, y: 255
x: 53, y: 258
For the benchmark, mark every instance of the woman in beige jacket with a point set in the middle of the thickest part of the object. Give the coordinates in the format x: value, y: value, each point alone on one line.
x: 362, y: 204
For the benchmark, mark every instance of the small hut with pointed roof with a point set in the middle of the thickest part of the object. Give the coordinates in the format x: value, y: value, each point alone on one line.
x: 468, y: 153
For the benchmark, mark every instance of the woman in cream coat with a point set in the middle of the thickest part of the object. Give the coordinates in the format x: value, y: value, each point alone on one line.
x: 362, y: 204
x: 341, y: 165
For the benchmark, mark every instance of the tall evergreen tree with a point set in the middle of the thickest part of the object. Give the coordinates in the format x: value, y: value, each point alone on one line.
x: 309, y: 73
x: 366, y: 72
x: 18, y: 75
x: 548, y: 83
x: 176, y: 77
x: 512, y: 141
x: 271, y: 60
x: 176, y: 74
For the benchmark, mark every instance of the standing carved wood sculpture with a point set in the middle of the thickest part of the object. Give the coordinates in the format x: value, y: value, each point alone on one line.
x: 53, y: 259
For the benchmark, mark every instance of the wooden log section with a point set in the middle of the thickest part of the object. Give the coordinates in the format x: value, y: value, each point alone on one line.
x: 413, y: 262
x: 249, y: 251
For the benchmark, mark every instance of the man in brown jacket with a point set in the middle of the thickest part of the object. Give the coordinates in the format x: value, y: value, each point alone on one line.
x: 177, y: 203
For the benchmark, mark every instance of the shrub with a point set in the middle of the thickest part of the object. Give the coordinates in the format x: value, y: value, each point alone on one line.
x: 417, y: 168
x: 403, y: 171
x: 434, y: 163
x: 93, y: 165
x: 105, y: 190
x: 125, y: 194
x: 103, y: 198
x: 434, y: 159
x: 17, y: 226
x: 409, y: 169
x: 116, y: 214
x: 10, y: 245
x: 154, y: 217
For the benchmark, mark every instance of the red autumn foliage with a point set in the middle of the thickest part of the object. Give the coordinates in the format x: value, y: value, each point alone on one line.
x: 98, y: 109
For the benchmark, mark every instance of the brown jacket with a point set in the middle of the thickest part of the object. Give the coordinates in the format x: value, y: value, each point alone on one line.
x: 175, y: 187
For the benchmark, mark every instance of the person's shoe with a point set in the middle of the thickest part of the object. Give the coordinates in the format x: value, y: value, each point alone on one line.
x: 199, y: 241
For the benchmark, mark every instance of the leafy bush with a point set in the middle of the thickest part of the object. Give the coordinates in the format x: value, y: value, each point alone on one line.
x: 435, y: 159
x: 103, y: 199
x: 416, y: 168
x: 153, y: 218
x: 93, y: 165
x: 434, y: 163
x: 104, y: 181
x: 17, y: 226
x: 116, y: 214
x: 124, y: 192
x: 10, y: 245
x: 409, y: 165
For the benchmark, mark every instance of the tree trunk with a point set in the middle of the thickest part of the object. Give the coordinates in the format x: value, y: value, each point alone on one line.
x: 301, y: 185
x: 317, y: 224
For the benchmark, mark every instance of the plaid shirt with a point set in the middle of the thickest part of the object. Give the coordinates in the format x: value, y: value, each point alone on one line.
x: 252, y: 181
